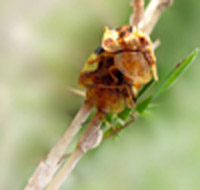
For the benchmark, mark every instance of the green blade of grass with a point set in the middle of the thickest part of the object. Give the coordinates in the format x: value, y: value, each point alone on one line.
x: 169, y: 80
x: 144, y: 89
x: 176, y: 72
x: 143, y: 105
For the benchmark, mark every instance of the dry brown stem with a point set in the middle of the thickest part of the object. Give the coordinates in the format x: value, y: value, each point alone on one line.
x: 138, y: 10
x: 153, y: 13
x: 90, y: 139
x: 76, y: 91
x: 92, y: 136
x: 47, y: 168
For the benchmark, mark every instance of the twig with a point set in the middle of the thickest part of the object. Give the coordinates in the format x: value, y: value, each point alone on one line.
x: 90, y: 139
x: 156, y: 44
x: 92, y: 136
x: 46, y: 169
x: 153, y: 13
x: 76, y: 91
x: 138, y: 10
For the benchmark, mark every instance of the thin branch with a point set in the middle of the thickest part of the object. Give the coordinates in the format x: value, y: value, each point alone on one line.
x: 65, y: 170
x: 76, y: 91
x: 90, y: 139
x: 138, y: 10
x: 92, y: 136
x: 153, y: 13
x: 47, y: 168
x: 156, y: 44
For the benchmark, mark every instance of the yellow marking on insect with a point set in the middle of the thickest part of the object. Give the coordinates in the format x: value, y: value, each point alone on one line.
x: 109, y: 41
x: 140, y: 33
x: 135, y: 90
x: 91, y: 64
x: 112, y: 34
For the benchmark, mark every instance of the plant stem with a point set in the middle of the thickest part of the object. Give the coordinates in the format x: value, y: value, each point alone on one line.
x: 138, y: 9
x: 66, y: 170
x: 153, y: 13
x: 47, y: 168
x: 90, y: 139
x: 76, y: 91
x: 92, y: 136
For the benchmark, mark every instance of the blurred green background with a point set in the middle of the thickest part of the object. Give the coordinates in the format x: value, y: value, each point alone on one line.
x: 43, y: 46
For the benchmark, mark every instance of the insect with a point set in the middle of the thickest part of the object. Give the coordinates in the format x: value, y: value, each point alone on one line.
x: 118, y: 68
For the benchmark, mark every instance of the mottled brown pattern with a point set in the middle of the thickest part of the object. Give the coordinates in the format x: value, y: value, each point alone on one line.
x: 121, y: 71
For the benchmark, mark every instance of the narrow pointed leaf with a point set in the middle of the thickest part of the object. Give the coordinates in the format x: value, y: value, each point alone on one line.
x: 170, y: 79
x: 143, y: 105
x: 176, y: 72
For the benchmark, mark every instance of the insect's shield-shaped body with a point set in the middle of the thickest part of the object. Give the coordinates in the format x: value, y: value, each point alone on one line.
x: 127, y: 39
x: 115, y: 72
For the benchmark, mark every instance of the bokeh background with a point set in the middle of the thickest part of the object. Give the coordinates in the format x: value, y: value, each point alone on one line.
x: 43, y: 46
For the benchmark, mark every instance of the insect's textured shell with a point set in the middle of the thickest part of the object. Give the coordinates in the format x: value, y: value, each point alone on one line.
x: 134, y: 66
x: 115, y: 72
x: 106, y: 100
x: 110, y: 40
x: 90, y: 66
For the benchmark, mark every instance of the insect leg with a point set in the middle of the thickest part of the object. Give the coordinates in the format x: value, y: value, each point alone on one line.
x: 110, y: 70
x: 130, y: 96
x: 154, y: 72
x: 138, y: 10
x: 112, y: 127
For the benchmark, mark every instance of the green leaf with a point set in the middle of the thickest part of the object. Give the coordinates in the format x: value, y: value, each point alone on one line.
x: 169, y: 80
x: 143, y: 105
x: 176, y: 72
x: 144, y: 89
x: 110, y: 117
x: 125, y: 114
